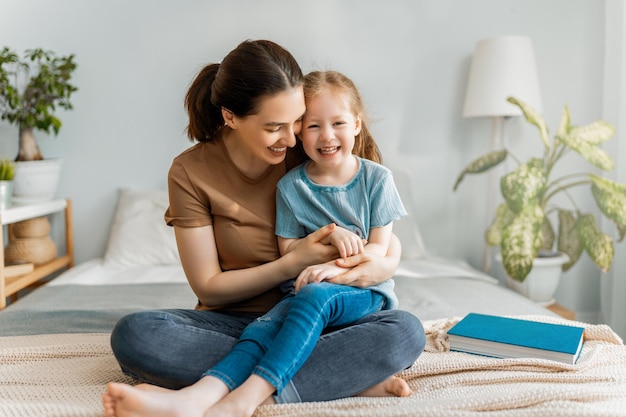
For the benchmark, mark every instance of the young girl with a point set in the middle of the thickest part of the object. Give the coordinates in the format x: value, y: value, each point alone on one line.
x: 244, y: 112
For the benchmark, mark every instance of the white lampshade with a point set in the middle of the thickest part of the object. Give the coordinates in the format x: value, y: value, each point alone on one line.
x: 502, y: 66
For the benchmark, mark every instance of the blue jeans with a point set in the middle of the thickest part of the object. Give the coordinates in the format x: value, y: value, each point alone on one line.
x: 173, y: 348
x: 276, y: 345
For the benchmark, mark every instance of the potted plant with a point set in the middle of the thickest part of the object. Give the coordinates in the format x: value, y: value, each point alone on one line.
x: 522, y: 226
x: 7, y: 172
x: 32, y: 88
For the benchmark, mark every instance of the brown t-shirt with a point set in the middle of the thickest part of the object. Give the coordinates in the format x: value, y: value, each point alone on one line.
x: 206, y: 188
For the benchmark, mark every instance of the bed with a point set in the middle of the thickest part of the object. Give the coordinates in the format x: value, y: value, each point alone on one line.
x: 55, y: 357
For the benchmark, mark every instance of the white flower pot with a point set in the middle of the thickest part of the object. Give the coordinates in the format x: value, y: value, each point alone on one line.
x: 542, y: 281
x: 36, y: 180
x: 6, y: 194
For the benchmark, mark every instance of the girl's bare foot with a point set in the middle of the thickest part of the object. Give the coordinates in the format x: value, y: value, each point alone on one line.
x: 123, y: 400
x: 150, y: 387
x: 390, y: 387
x: 243, y: 401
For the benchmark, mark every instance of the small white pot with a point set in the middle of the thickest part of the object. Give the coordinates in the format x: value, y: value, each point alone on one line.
x: 36, y: 181
x: 542, y: 281
x: 6, y: 194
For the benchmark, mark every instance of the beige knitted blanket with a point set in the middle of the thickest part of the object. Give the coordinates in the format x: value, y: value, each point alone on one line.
x: 64, y: 375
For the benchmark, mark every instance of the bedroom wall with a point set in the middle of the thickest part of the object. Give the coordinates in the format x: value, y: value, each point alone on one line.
x: 409, y: 57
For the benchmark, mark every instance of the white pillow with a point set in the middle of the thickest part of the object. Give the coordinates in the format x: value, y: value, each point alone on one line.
x: 406, y: 228
x: 139, y: 235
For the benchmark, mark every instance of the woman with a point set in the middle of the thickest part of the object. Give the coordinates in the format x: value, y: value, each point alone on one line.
x: 245, y: 113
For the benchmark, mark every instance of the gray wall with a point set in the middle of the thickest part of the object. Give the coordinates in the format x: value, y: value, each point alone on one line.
x: 409, y: 57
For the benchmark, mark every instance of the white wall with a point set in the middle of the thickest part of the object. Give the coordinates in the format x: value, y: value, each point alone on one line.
x: 409, y: 57
x: 613, y: 286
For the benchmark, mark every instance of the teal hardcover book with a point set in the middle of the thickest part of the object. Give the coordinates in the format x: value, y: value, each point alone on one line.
x: 504, y: 337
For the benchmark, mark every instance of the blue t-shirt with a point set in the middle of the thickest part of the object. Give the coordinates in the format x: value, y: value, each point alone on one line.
x: 369, y: 200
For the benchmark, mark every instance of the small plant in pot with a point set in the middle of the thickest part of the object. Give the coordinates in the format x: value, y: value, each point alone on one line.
x: 7, y: 172
x: 32, y: 88
x: 522, y: 226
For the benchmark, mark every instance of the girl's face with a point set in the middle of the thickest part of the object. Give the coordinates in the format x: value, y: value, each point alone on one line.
x: 263, y: 138
x: 328, y: 129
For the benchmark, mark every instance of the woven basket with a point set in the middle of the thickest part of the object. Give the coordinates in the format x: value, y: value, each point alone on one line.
x: 37, y: 250
x: 37, y: 227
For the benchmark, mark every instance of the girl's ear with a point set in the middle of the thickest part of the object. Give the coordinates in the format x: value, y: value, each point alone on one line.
x: 357, y: 125
x: 228, y: 117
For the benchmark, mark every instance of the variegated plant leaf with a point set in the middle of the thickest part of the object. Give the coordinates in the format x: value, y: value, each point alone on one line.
x: 598, y: 245
x: 482, y: 164
x: 493, y: 234
x: 594, y: 133
x: 592, y: 153
x: 564, y: 124
x: 547, y: 233
x: 568, y: 241
x: 524, y: 186
x: 611, y: 198
x: 533, y: 117
x: 521, y: 241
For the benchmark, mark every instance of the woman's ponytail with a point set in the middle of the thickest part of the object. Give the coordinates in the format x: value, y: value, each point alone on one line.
x: 205, y: 119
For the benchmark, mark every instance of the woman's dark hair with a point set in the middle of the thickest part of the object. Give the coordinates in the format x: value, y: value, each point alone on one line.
x: 253, y: 70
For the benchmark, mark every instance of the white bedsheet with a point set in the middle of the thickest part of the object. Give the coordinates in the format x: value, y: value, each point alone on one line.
x: 98, y: 272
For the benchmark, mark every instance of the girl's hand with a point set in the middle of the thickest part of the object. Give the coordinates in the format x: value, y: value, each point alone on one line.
x: 369, y: 269
x: 317, y: 273
x: 347, y: 243
x: 312, y: 250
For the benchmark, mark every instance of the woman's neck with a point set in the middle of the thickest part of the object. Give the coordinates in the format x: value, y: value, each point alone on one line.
x: 245, y: 161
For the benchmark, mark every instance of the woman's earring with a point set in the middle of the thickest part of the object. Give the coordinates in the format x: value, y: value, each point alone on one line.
x: 228, y: 117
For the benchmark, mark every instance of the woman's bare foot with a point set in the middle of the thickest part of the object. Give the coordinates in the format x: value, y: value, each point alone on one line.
x: 123, y: 400
x: 390, y: 387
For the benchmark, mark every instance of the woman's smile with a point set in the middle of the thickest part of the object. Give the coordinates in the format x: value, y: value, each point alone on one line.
x: 277, y: 150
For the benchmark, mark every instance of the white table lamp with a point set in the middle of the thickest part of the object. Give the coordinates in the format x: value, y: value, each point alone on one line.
x: 502, y: 66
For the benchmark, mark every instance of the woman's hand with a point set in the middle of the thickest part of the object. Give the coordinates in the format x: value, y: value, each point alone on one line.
x: 367, y: 269
x: 311, y: 251
x: 318, y: 273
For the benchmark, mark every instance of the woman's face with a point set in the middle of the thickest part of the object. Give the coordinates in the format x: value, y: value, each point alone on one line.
x: 266, y: 135
x: 328, y: 130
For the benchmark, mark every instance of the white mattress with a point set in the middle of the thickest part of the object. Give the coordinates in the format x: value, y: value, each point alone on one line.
x: 98, y: 272
x: 429, y: 287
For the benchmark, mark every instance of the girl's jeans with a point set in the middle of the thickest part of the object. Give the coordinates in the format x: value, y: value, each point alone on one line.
x: 275, y: 345
x: 173, y: 348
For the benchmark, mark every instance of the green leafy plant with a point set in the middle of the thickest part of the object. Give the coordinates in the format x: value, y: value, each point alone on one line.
x: 522, y: 227
x: 7, y: 170
x: 31, y: 89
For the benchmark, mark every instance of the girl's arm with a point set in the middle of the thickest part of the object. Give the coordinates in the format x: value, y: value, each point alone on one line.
x: 379, y: 238
x: 213, y: 287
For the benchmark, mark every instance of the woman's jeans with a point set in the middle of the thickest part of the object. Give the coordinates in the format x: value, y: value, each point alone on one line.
x: 173, y: 348
x: 275, y: 345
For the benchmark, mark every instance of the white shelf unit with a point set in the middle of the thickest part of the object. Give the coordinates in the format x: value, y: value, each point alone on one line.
x: 18, y: 212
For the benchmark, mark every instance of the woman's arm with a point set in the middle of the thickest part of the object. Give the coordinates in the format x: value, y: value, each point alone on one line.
x: 213, y: 287
x: 347, y: 243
